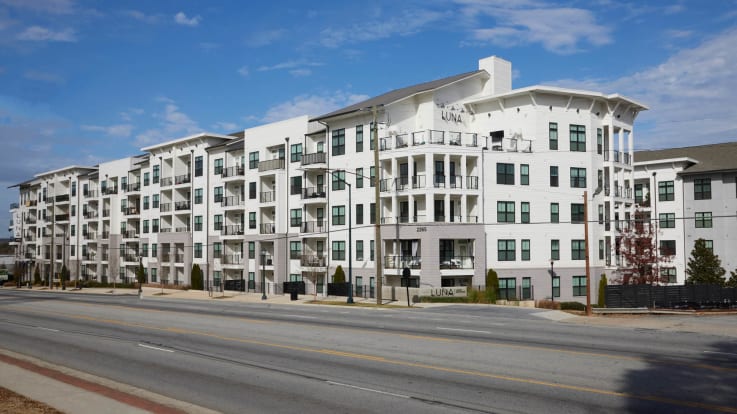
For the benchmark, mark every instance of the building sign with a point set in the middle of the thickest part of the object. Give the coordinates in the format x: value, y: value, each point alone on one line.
x: 451, y: 113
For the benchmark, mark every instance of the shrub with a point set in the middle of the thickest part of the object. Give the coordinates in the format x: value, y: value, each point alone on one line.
x: 492, y: 285
x: 339, y: 275
x: 602, y: 291
x: 475, y: 296
x: 96, y: 284
x: 444, y: 299
x: 577, y: 306
x: 197, y: 283
x: 547, y: 304
x: 37, y: 276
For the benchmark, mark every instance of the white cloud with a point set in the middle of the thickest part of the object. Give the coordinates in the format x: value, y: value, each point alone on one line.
x: 403, y: 23
x: 42, y: 6
x: 182, y: 19
x: 173, y: 124
x: 300, y: 72
x: 265, y: 38
x: 689, y: 95
x: 118, y: 131
x: 243, y: 71
x: 227, y: 127
x: 560, y: 30
x: 36, y: 75
x: 42, y: 34
x: 311, y: 105
x: 128, y: 115
x: 142, y: 17
x: 290, y: 64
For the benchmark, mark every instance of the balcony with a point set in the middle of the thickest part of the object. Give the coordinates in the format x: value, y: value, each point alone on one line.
x: 106, y: 212
x: 234, y: 171
x: 89, y: 236
x: 271, y: 165
x: 267, y: 228
x: 232, y: 230
x: 90, y: 194
x: 164, y: 207
x: 400, y: 262
x: 62, y: 198
x: 166, y: 181
x: 131, y: 234
x: 313, y: 260
x: 472, y: 182
x: 105, y: 235
x: 232, y: 201
x: 30, y: 220
x: 109, y: 190
x: 455, y: 181
x: 314, y: 158
x: 313, y: 192
x: 319, y: 226
x: 61, y: 217
x: 129, y: 211
x: 13, y: 206
x: 90, y: 214
x: 31, y: 203
x: 268, y: 197
x: 457, y: 262
x: 183, y: 179
x: 182, y: 205
x: 231, y: 259
x: 133, y: 187
x: 181, y: 230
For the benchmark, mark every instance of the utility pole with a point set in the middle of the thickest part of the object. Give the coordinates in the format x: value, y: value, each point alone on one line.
x: 586, y: 242
x: 377, y: 213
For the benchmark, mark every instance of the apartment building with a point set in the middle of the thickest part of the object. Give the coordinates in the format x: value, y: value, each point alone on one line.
x: 696, y: 197
x: 472, y: 174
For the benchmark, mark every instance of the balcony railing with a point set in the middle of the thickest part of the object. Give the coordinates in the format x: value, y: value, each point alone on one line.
x: 183, y: 179
x: 182, y: 205
x: 90, y: 236
x: 314, y: 158
x: 313, y: 260
x: 90, y: 194
x: 105, y: 235
x: 313, y: 192
x: 472, y: 182
x: 234, y: 171
x: 164, y: 207
x: 319, y: 226
x: 232, y: 201
x: 268, y: 228
x: 232, y: 230
x: 61, y: 217
x: 109, y: 190
x: 457, y: 262
x: 30, y: 219
x: 181, y: 229
x: 400, y: 262
x: 131, y: 234
x: 166, y: 181
x: 268, y: 196
x: 129, y: 211
x: 62, y: 198
x: 455, y: 181
x: 13, y: 206
x: 234, y: 259
x: 269, y: 165
x: 90, y: 214
x: 134, y: 187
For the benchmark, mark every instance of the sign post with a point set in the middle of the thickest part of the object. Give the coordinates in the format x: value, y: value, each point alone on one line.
x: 406, y: 273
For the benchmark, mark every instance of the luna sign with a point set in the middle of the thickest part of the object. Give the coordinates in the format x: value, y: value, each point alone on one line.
x: 449, y: 116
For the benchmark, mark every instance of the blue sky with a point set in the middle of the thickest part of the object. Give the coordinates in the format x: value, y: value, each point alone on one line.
x: 88, y: 81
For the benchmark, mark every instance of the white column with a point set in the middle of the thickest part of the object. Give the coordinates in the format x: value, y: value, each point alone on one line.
x: 429, y: 188
x: 446, y: 196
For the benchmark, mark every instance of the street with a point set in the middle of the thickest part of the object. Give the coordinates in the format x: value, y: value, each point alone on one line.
x: 256, y: 357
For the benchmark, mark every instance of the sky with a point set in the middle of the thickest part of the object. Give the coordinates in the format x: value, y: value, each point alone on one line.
x: 83, y: 82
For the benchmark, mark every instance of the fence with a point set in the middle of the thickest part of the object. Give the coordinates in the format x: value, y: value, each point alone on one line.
x: 674, y: 297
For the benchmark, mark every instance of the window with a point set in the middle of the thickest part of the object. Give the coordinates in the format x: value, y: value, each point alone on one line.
x: 251, y: 250
x: 73, y: 229
x: 702, y: 189
x: 667, y: 220
x: 253, y: 160
x: 295, y: 153
x: 579, y: 285
x: 295, y: 217
x: 295, y: 187
x: 146, y: 178
x: 198, y: 166
x: 155, y: 201
x: 218, y: 222
x: 526, y: 288
x: 578, y: 138
x: 577, y: 213
x: 666, y: 191
x: 145, y: 226
x: 359, y: 250
x: 156, y: 172
x: 667, y: 247
x: 703, y: 220
x: 504, y: 173
x: 524, y: 174
x: 555, y: 249
x: 217, y: 250
x: 74, y: 188
x: 372, y: 176
x: 74, y: 211
x: 554, y: 213
x: 145, y: 202
x: 507, y: 288
x: 553, y: 175
x: 372, y: 214
x: 338, y: 250
x: 359, y: 138
x: 154, y: 249
x: 553, y: 135
x: 198, y: 250
x: 599, y: 141
x: 295, y: 249
x: 371, y: 250
x: 155, y: 226
x: 578, y: 177
x: 709, y: 244
x: 218, y: 166
x: 252, y: 220
x: 197, y: 223
x: 359, y: 214
x: 601, y: 249
x: 338, y: 215
x: 505, y: 211
x: 578, y: 249
x: 218, y: 194
x: 198, y: 196
x: 338, y: 142
x: 525, y: 212
x: 639, y: 194
x: 359, y: 177
x: 506, y: 250
x: 154, y: 272
x: 338, y: 180
x: 372, y: 129
x: 668, y: 274
x: 144, y: 250
x: 601, y: 214
x: 525, y: 246
x: 252, y: 191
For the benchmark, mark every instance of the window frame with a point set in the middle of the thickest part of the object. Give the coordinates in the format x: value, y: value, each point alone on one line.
x: 506, y: 250
x: 503, y: 212
x: 505, y: 173
x: 577, y: 137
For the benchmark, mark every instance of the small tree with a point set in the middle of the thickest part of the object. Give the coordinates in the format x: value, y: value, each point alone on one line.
x: 339, y: 275
x: 492, y: 285
x: 140, y: 275
x: 602, y: 291
x: 37, y: 276
x: 197, y: 278
x: 704, y: 267
x: 64, y: 276
x: 732, y: 282
x: 641, y: 256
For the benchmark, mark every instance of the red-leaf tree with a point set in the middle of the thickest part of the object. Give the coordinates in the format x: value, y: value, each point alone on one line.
x: 641, y: 259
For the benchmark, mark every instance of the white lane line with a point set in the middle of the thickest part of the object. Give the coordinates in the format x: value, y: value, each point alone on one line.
x: 155, y: 348
x: 720, y: 353
x: 340, y: 384
x: 461, y: 330
x: 47, y: 329
x: 300, y: 316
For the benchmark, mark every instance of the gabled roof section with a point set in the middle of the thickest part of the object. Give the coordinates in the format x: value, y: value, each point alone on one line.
x: 560, y: 91
x: 709, y: 158
x: 398, y: 94
x: 203, y: 135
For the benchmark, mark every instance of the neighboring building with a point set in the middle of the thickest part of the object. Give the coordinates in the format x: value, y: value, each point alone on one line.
x: 472, y: 175
x: 696, y: 198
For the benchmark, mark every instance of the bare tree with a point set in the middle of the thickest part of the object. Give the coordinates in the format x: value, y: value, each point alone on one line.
x: 641, y: 259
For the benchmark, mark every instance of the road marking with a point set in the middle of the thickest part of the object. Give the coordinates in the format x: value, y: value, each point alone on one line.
x: 461, y: 330
x: 300, y: 316
x: 720, y: 353
x: 156, y: 348
x: 340, y: 384
x: 46, y: 329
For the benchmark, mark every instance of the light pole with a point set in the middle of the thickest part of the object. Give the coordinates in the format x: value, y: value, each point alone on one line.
x: 552, y: 281
x: 263, y: 274
x: 350, y: 237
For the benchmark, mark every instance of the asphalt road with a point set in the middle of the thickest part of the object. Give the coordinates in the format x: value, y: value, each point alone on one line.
x: 244, y: 357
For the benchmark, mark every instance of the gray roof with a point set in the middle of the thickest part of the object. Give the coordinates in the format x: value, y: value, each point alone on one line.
x: 398, y: 94
x: 711, y: 158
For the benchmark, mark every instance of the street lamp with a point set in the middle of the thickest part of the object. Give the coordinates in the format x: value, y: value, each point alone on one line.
x: 552, y: 281
x: 350, y: 238
x: 263, y: 274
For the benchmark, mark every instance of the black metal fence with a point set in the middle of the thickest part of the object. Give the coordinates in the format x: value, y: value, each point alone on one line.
x: 298, y: 287
x: 672, y: 297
